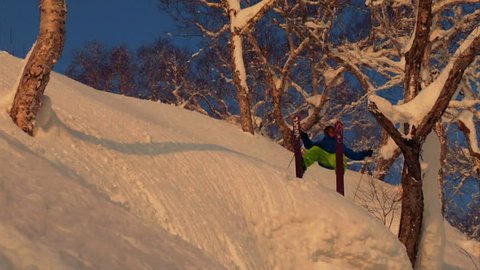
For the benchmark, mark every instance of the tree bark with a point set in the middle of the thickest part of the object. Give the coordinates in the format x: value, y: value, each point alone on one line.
x: 412, y: 202
x: 240, y: 80
x: 414, y: 57
x: 277, y: 112
x: 412, y: 199
x: 47, y: 50
x: 238, y: 68
x: 442, y: 137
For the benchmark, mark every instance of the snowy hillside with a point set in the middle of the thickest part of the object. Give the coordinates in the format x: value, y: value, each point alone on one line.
x: 111, y: 182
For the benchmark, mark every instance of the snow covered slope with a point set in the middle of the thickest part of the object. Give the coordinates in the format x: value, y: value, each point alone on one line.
x: 112, y: 182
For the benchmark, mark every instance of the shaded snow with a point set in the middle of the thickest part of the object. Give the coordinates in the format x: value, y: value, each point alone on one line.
x: 116, y: 182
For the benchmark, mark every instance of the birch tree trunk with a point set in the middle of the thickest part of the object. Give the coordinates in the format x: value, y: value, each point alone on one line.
x: 238, y: 68
x: 240, y: 81
x: 47, y: 50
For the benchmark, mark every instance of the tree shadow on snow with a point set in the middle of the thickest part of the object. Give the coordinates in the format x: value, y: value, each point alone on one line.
x: 136, y: 148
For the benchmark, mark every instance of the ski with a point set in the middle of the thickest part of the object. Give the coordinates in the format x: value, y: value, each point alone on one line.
x: 339, y: 170
x: 297, y: 147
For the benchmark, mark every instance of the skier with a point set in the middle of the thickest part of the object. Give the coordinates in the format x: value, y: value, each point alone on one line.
x: 323, y: 151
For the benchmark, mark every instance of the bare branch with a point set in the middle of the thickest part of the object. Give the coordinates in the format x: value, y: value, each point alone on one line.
x: 211, y: 4
x: 212, y: 34
x: 387, y: 125
x: 469, y: 135
x: 362, y: 78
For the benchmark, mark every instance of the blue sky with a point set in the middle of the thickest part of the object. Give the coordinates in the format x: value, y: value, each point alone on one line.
x: 113, y: 22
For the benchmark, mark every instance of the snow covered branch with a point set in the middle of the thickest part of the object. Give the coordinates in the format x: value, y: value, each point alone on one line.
x: 246, y: 18
x: 463, y: 104
x: 429, y: 105
x: 445, y: 86
x: 211, y: 4
x: 443, y: 4
x: 467, y: 126
x: 362, y: 78
x: 386, y: 124
x: 293, y: 55
x: 242, y: 20
x: 465, y: 24
x: 212, y: 34
x: 387, y: 154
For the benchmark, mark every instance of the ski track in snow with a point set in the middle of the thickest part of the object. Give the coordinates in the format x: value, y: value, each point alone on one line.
x: 112, y: 182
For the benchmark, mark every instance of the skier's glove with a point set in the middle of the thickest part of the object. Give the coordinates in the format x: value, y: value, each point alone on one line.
x: 303, y: 135
x: 369, y: 152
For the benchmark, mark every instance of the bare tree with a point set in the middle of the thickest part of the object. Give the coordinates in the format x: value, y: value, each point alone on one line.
x: 287, y: 63
x: 159, y: 71
x: 92, y: 66
x: 45, y: 53
x: 410, y: 49
x: 411, y: 145
x: 122, y: 67
x: 240, y: 21
x: 380, y: 200
x: 278, y: 81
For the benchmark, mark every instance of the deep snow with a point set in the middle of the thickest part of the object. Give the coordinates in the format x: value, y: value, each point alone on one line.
x: 112, y: 182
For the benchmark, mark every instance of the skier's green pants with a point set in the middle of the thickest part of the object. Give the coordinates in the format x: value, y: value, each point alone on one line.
x: 324, y: 158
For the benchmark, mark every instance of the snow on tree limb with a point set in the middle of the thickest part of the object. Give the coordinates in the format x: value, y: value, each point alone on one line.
x: 294, y: 53
x: 211, y: 4
x: 467, y: 126
x: 387, y: 155
x: 241, y: 20
x: 331, y: 76
x: 453, y: 72
x: 427, y: 107
x: 465, y: 24
x: 362, y: 78
x: 353, y: 58
x: 248, y: 17
x: 463, y: 104
x: 212, y: 34
x: 389, y: 149
x: 441, y: 5
x: 386, y: 123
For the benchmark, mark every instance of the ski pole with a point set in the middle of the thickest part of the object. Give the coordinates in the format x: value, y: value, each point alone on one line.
x: 360, y: 181
x: 291, y: 160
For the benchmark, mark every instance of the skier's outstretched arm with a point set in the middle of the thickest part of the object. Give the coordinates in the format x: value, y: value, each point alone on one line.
x: 360, y: 155
x: 306, y: 140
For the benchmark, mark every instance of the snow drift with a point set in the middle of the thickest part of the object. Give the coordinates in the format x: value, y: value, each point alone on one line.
x: 112, y: 182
